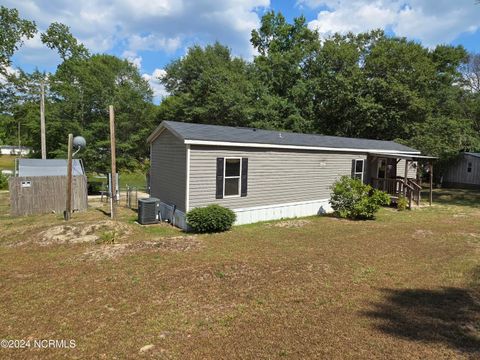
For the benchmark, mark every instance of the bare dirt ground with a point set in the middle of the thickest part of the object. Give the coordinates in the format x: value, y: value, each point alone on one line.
x: 405, y: 286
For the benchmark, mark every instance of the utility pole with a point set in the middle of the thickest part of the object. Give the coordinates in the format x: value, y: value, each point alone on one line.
x: 430, y: 200
x: 68, y: 208
x: 19, y: 142
x: 42, y: 121
x: 113, y: 197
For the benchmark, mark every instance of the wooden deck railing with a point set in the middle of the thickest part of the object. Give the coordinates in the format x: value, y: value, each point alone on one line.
x: 399, y: 187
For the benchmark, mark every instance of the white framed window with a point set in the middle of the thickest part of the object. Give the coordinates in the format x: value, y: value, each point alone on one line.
x: 232, y: 175
x: 469, y: 167
x: 358, y: 169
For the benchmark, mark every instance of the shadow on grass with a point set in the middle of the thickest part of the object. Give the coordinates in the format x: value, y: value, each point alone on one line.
x: 446, y: 315
x: 461, y: 197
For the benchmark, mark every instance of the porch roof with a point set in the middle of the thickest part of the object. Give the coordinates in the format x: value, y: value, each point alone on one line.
x: 403, y: 156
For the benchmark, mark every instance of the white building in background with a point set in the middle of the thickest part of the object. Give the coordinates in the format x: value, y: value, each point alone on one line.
x: 14, y: 150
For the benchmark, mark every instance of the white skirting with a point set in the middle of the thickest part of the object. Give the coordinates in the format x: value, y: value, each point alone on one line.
x: 258, y: 213
x: 282, y: 211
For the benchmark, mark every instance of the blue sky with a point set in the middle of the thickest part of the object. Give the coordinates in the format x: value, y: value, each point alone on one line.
x: 150, y: 33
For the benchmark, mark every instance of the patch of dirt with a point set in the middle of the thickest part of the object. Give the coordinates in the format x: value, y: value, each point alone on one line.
x: 105, y: 252
x: 111, y: 251
x: 230, y: 271
x: 81, y: 232
x: 176, y: 243
x: 290, y: 223
x: 421, y: 234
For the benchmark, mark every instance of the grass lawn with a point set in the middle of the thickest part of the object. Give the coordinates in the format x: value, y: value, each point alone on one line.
x: 132, y: 179
x: 405, y: 286
x: 136, y: 179
x: 7, y: 162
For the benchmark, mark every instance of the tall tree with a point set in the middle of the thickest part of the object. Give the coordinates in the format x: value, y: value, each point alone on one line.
x: 208, y: 85
x: 83, y: 89
x: 286, y: 52
x: 58, y: 37
x: 13, y: 30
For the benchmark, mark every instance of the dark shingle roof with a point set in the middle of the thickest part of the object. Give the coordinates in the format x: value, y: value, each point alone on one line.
x: 473, y: 154
x: 190, y: 131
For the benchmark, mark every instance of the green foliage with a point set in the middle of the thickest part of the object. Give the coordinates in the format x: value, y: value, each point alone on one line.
x: 361, y: 85
x: 444, y: 136
x: 13, y: 31
x: 77, y: 101
x: 106, y: 237
x: 353, y: 199
x: 212, y: 218
x: 208, y: 85
x: 402, y: 203
x: 58, y: 37
x: 366, y: 85
x: 3, y: 182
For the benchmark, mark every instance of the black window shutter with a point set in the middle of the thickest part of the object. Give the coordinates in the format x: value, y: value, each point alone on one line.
x: 353, y: 168
x: 219, y: 190
x: 244, y: 176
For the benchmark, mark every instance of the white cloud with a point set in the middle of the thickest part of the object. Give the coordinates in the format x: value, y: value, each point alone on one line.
x: 159, y: 91
x: 153, y: 43
x: 133, y: 58
x: 151, y: 25
x: 430, y: 21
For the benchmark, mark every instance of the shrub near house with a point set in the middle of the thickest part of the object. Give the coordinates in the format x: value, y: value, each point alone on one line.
x: 3, y: 182
x: 212, y: 218
x: 353, y: 199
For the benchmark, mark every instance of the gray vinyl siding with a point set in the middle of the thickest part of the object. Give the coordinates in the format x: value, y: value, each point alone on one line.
x: 412, y: 170
x: 274, y: 176
x: 168, y: 169
x: 457, y: 172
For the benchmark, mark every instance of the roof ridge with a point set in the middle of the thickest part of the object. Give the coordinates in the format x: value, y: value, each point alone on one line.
x: 210, y: 134
x: 281, y: 131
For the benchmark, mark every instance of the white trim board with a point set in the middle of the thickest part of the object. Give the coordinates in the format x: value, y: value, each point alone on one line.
x: 187, y: 179
x: 296, y: 147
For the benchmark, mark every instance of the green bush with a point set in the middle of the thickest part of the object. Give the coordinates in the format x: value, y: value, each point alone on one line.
x: 402, y: 203
x: 213, y: 218
x: 3, y: 182
x: 353, y: 199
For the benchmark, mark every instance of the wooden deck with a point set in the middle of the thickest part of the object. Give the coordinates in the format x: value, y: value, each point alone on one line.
x: 398, y: 187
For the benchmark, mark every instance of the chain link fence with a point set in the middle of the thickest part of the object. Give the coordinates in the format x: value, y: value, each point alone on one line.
x: 131, y: 197
x: 127, y: 196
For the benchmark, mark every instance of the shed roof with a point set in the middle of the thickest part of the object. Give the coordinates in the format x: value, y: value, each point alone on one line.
x: 48, y: 167
x: 225, y: 135
x: 473, y: 154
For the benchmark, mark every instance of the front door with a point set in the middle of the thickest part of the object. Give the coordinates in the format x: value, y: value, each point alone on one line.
x: 382, y: 168
x: 387, y: 168
x: 391, y: 168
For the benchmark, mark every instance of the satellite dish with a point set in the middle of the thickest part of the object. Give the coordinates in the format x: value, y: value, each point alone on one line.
x: 79, y: 142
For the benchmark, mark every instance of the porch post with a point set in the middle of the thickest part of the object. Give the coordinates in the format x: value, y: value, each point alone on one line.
x: 431, y: 182
x: 405, y: 182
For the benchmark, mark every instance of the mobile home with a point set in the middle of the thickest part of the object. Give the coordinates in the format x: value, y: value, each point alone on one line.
x: 265, y: 175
